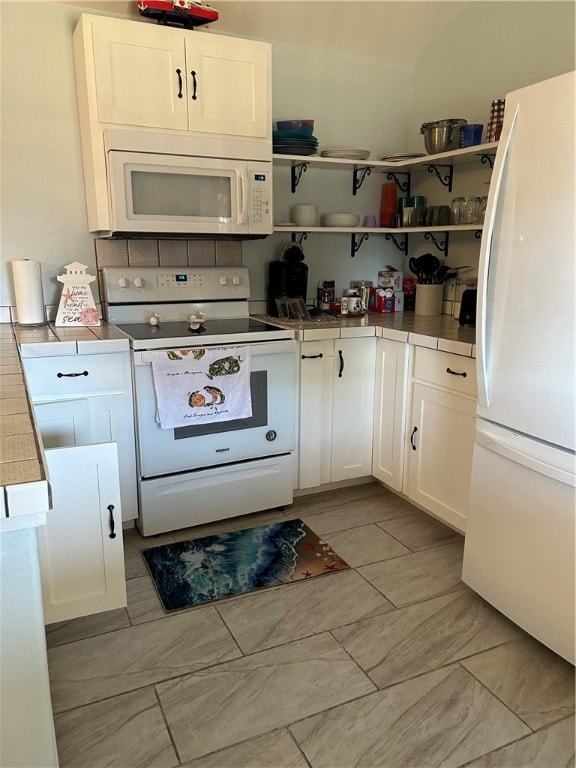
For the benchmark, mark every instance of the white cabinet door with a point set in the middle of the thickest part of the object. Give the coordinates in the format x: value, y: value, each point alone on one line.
x: 140, y: 74
x: 391, y: 384
x: 440, y: 442
x: 315, y: 413
x: 156, y: 77
x: 63, y: 424
x: 81, y: 553
x: 228, y: 85
x: 352, y: 408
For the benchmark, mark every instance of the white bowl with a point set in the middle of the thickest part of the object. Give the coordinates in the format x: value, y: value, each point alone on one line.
x: 340, y: 220
x: 304, y: 215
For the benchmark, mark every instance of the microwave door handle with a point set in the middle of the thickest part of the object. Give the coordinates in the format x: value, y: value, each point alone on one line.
x: 243, y: 194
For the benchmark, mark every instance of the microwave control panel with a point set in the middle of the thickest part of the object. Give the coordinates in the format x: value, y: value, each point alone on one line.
x: 260, y: 213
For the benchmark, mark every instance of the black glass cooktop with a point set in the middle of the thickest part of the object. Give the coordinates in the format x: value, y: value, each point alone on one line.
x: 173, y: 330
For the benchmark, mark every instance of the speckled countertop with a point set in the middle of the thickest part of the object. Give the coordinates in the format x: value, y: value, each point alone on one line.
x: 23, y: 475
x: 441, y: 332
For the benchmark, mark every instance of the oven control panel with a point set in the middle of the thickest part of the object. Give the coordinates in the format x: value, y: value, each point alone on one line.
x: 134, y: 285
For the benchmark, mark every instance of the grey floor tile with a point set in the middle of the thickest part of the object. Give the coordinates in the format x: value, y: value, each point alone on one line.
x: 282, y: 614
x: 126, y: 731
x: 420, y: 531
x: 534, y: 682
x: 143, y: 601
x: 443, y: 718
x: 552, y: 747
x: 364, y: 545
x: 273, y: 750
x: 86, y: 626
x: 418, y: 576
x: 258, y: 693
x: 424, y: 636
x: 134, y: 564
x: 107, y: 665
x: 345, y: 514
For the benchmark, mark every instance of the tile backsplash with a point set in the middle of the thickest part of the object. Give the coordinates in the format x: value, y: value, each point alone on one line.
x: 168, y: 253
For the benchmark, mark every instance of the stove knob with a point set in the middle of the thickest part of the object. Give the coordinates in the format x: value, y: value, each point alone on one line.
x: 223, y: 280
x: 236, y: 280
x: 122, y: 282
x: 138, y: 282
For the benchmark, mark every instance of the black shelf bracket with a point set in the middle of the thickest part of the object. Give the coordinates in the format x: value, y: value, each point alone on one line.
x: 296, y: 174
x: 359, y: 176
x: 355, y: 244
x: 446, y: 179
x: 478, y: 234
x: 294, y: 237
x: 442, y: 245
x: 401, y: 245
x: 487, y: 160
x: 403, y: 186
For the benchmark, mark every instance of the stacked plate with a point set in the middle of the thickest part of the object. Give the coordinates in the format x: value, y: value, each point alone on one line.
x: 346, y: 153
x: 294, y: 143
x: 399, y: 157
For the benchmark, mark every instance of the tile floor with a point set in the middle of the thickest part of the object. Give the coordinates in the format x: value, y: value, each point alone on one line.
x: 393, y: 663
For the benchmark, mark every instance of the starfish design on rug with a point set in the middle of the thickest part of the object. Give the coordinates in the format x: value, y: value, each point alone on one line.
x: 309, y: 546
x: 306, y: 574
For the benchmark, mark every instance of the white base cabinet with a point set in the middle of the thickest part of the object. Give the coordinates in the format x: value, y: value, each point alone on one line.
x: 391, y: 385
x: 440, y: 434
x: 80, y: 547
x: 336, y: 410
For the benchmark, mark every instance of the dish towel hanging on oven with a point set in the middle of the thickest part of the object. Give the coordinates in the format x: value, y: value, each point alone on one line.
x: 201, y: 385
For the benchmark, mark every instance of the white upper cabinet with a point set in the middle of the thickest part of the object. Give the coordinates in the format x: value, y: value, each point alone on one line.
x: 143, y: 75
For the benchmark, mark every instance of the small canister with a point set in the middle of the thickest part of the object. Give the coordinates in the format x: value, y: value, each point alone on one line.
x: 462, y: 284
x: 344, y: 305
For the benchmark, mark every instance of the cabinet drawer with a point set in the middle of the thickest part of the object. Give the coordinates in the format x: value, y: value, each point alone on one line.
x: 53, y: 377
x: 443, y: 369
x: 314, y: 349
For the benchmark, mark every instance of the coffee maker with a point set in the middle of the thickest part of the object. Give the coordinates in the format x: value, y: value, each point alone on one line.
x: 287, y: 276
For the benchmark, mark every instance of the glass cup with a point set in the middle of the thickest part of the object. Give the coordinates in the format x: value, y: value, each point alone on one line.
x: 455, y: 210
x: 469, y: 210
x: 482, y: 201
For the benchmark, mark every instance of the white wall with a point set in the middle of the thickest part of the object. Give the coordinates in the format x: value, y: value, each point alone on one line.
x: 493, y: 48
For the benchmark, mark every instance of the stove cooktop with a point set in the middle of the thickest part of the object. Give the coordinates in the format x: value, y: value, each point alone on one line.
x: 224, y: 331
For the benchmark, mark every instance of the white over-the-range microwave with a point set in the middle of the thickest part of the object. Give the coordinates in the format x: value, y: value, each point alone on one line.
x: 174, y: 185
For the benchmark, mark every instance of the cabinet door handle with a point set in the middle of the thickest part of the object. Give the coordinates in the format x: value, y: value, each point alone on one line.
x: 457, y: 373
x: 71, y: 375
x: 341, y: 368
x: 194, y: 85
x: 412, y: 438
x: 112, y: 533
x: 179, y: 73
x: 312, y: 357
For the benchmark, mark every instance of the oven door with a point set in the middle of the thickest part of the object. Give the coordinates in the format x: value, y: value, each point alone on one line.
x: 269, y: 431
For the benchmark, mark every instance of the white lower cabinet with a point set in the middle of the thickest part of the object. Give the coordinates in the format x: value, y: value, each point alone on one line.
x: 440, y: 434
x: 80, y: 547
x: 336, y: 410
x: 390, y: 396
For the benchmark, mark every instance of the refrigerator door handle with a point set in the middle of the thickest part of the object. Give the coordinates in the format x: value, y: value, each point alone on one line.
x: 484, y: 306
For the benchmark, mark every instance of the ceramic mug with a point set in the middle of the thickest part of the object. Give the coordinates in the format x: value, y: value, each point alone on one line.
x: 355, y: 305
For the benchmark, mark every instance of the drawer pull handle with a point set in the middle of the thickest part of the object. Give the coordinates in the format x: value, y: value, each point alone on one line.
x: 341, y: 369
x: 457, y: 373
x: 179, y: 73
x: 72, y: 375
x: 112, y: 533
x: 412, y: 438
x: 312, y: 357
x: 195, y: 85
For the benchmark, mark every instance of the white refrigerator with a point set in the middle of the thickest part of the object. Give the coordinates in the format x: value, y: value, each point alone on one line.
x: 519, y: 547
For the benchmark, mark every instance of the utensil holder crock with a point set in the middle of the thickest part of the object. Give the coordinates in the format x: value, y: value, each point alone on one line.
x: 429, y: 299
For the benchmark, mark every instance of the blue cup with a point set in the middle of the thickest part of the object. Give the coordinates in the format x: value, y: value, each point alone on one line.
x: 471, y: 134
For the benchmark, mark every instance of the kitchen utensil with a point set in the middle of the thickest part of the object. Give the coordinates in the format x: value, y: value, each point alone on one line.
x: 471, y: 134
x: 428, y: 264
x: 414, y: 268
x: 442, y: 135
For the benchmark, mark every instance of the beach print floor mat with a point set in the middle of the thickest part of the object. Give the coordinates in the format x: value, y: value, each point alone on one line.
x: 198, y: 571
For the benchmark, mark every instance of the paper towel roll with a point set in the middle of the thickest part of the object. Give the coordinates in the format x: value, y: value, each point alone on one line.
x: 28, y: 292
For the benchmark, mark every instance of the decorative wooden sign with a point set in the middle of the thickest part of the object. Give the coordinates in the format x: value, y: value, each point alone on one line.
x: 77, y: 305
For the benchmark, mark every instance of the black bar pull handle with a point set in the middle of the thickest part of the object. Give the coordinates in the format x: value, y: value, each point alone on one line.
x: 71, y: 375
x: 179, y: 73
x: 341, y: 369
x: 194, y: 85
x: 112, y: 533
x: 456, y: 373
x: 412, y: 438
x: 312, y: 357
